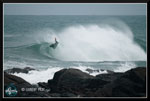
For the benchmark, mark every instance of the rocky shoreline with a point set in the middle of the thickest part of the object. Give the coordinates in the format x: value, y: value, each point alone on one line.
x: 75, y: 83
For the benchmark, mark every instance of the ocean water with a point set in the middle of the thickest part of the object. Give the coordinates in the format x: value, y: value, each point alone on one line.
x: 115, y: 43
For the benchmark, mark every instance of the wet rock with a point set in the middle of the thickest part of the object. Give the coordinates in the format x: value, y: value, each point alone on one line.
x: 67, y: 75
x: 55, y: 94
x: 75, y: 83
x: 43, y: 85
x: 129, y: 84
x: 20, y: 84
x: 110, y: 72
x: 108, y: 77
x: 91, y: 70
x: 68, y: 94
x: 99, y: 70
x: 28, y: 68
x: 19, y: 70
x: 14, y: 79
x: 69, y: 80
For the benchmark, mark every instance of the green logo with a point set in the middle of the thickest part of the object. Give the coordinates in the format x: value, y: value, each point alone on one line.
x: 11, y: 90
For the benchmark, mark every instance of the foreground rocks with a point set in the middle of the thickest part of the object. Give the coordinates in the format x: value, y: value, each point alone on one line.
x: 20, y: 83
x: 132, y: 83
x: 71, y: 81
x: 129, y: 84
x: 75, y: 83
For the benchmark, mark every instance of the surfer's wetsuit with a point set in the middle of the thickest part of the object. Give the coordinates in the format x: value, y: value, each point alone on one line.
x: 55, y: 44
x: 56, y: 41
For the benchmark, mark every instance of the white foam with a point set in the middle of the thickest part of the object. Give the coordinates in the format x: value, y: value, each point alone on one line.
x: 95, y: 43
x: 94, y: 73
x: 35, y: 76
x: 125, y: 67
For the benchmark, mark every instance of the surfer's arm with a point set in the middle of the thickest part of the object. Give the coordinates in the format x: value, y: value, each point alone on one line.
x: 56, y: 41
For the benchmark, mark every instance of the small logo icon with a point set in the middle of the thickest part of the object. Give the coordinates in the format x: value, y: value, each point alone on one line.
x: 11, y: 90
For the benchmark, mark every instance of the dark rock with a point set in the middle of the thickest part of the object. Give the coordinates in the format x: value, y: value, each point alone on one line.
x: 55, y: 94
x: 102, y: 69
x: 91, y: 70
x: 20, y: 83
x: 19, y: 70
x: 14, y: 79
x: 28, y: 68
x: 75, y: 82
x: 98, y: 70
x: 108, y: 77
x: 43, y: 85
x: 96, y: 83
x: 69, y: 75
x: 129, y: 84
x: 110, y: 72
x: 69, y: 80
x: 68, y: 94
x: 136, y: 74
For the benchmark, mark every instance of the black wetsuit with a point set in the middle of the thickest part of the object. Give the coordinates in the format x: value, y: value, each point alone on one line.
x: 54, y: 45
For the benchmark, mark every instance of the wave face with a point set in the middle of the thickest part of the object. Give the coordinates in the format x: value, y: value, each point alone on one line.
x: 92, y: 43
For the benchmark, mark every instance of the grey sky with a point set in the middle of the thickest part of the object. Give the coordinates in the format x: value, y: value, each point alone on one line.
x: 74, y: 9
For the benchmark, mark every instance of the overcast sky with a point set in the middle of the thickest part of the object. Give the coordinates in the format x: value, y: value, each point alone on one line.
x: 75, y: 9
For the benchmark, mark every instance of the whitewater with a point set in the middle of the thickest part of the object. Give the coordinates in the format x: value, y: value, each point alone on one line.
x: 95, y: 43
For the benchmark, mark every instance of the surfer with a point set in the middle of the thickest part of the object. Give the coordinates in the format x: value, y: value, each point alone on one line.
x: 54, y: 45
x: 56, y: 41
